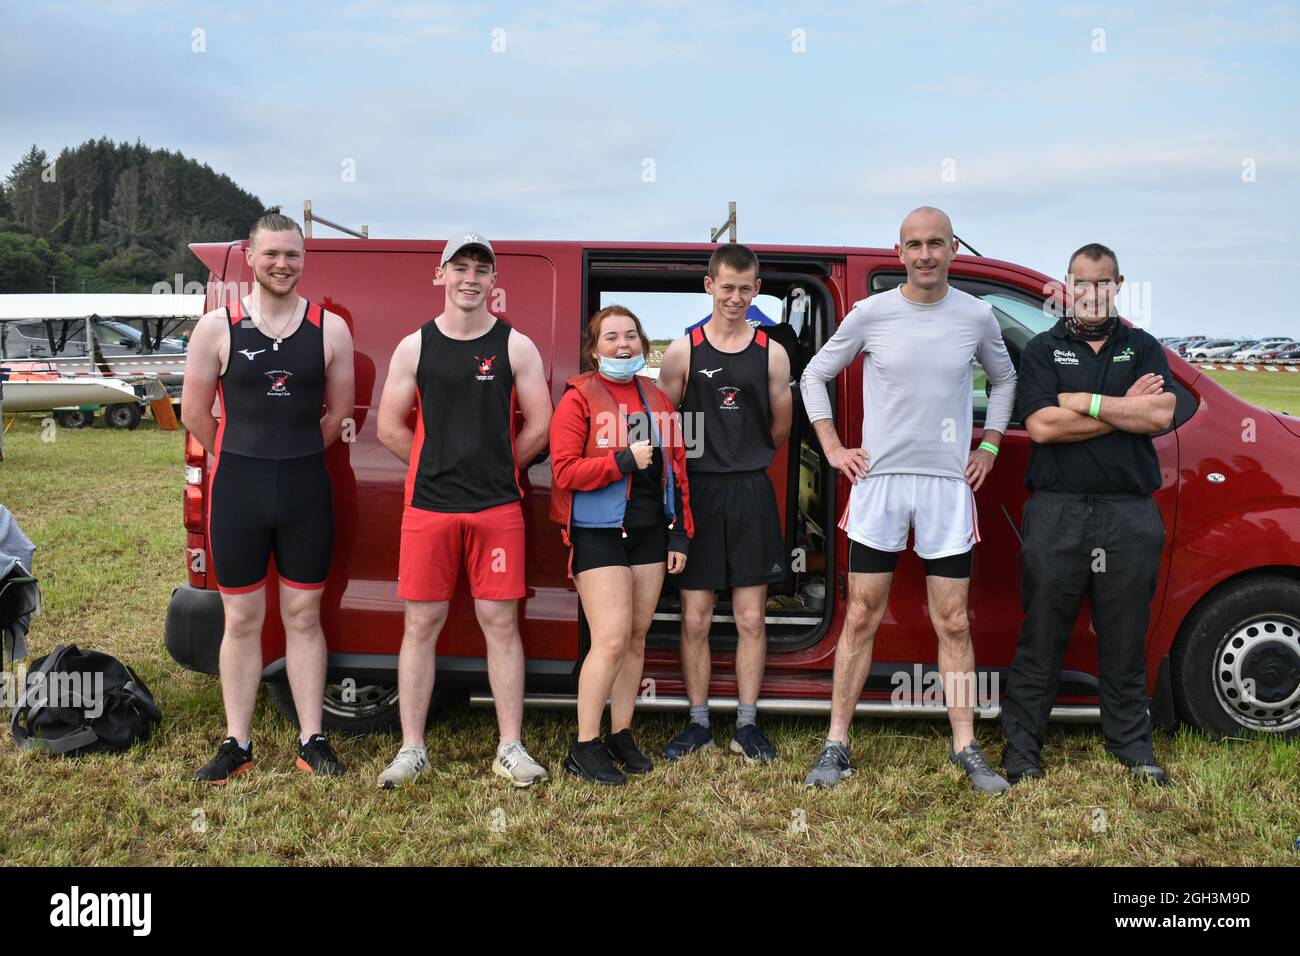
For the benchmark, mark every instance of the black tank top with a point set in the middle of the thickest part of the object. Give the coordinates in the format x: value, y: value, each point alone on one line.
x: 729, y: 392
x: 272, y: 398
x: 463, y: 458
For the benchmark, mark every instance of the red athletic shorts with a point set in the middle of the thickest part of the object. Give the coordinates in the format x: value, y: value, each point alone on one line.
x: 490, y: 543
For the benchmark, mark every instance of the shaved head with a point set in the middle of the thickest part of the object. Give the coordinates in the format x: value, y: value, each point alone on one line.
x: 925, y: 216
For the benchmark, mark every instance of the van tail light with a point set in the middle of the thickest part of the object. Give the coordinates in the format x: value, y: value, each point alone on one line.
x: 195, y: 453
x: 194, y: 509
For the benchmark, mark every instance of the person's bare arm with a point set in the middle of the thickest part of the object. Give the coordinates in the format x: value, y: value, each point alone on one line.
x: 674, y: 368
x: 399, y: 397
x: 533, y: 395
x: 203, y: 360
x: 1056, y: 424
x: 340, y: 377
x: 778, y: 392
x: 1144, y: 414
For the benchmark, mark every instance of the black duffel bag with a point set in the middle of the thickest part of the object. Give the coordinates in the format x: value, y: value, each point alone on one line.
x: 82, y: 702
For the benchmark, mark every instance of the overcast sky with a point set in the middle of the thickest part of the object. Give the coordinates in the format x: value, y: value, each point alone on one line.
x: 1170, y: 132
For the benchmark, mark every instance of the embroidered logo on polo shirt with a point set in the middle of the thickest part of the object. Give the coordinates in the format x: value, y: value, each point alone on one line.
x: 1063, y: 357
x: 1125, y: 356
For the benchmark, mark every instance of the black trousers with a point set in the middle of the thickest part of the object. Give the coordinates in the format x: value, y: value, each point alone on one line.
x: 1106, y: 547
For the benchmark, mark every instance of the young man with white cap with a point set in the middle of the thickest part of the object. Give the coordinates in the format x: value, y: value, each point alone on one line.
x: 463, y: 371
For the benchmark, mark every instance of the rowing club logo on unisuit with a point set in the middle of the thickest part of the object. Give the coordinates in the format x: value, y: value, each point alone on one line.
x: 485, y: 373
x: 279, y: 379
x: 729, y: 397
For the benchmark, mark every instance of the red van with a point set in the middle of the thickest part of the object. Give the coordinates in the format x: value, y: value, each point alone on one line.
x: 1223, y: 650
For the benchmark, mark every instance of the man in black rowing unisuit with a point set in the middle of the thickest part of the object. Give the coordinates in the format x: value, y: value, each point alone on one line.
x: 270, y: 361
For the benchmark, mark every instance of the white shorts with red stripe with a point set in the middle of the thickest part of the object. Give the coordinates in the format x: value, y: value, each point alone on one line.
x: 942, y: 511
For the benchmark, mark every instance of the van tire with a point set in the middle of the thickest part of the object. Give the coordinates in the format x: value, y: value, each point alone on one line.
x: 75, y: 418
x: 1249, y: 629
x: 375, y: 710
x: 124, y: 415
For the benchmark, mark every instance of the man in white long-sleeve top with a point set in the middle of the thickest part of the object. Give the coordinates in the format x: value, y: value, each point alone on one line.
x: 913, y: 471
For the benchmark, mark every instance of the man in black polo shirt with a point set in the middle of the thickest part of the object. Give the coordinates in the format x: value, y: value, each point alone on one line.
x: 1092, y: 393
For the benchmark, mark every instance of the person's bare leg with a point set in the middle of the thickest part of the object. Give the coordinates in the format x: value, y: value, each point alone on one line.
x: 947, y: 599
x: 868, y: 598
x: 749, y: 606
x: 505, y: 659
x: 306, y: 657
x: 647, y: 582
x: 416, y: 664
x: 240, y: 659
x: 697, y: 618
x: 606, y: 595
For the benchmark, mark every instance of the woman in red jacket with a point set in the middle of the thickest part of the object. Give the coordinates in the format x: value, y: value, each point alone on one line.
x: 619, y: 492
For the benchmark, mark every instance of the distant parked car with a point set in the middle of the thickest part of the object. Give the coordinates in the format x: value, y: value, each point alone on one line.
x: 1271, y: 354
x: 1288, y: 355
x: 1213, y: 349
x: 1255, y: 351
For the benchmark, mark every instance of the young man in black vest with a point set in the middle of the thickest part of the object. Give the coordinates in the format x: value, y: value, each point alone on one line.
x: 735, y: 383
x: 462, y: 370
x: 1092, y: 393
x: 270, y: 361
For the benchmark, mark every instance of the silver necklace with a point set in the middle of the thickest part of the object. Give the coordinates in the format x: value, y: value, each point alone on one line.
x: 279, y: 336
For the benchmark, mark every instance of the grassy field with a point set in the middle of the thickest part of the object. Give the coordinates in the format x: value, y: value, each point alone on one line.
x: 103, y: 508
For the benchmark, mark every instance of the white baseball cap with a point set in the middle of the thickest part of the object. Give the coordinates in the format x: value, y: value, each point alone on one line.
x: 462, y: 240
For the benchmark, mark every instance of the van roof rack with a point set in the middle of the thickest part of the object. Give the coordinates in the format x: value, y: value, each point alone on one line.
x: 308, y: 218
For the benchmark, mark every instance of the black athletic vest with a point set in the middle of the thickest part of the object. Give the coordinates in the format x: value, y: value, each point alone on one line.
x: 463, y: 458
x: 727, y: 395
x: 272, y: 399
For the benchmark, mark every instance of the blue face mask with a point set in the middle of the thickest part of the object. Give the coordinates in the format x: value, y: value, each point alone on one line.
x: 621, y: 370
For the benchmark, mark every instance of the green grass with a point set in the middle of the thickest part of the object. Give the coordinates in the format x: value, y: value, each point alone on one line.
x: 1275, y: 391
x: 104, y: 510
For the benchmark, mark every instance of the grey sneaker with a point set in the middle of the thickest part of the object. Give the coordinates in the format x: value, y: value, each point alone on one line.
x: 982, y: 777
x: 514, y: 763
x: 409, y: 763
x: 831, y: 767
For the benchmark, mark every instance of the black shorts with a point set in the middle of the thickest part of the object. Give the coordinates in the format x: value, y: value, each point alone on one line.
x: 864, y: 559
x: 607, y: 548
x: 738, y: 541
x: 265, y: 506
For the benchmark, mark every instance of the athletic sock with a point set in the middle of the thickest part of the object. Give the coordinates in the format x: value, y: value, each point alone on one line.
x: 244, y: 745
x: 842, y: 743
x: 700, y: 715
x: 745, y: 714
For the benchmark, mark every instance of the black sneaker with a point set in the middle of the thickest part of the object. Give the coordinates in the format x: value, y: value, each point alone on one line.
x: 231, y: 760
x: 590, y: 761
x: 624, y: 750
x: 317, y: 757
x: 1019, y: 767
x: 753, y: 743
x: 693, y: 737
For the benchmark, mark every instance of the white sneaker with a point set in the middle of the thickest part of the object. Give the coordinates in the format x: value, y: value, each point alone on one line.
x: 514, y: 763
x: 409, y: 763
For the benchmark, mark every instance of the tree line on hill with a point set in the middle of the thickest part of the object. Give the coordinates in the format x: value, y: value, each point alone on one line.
x: 113, y: 217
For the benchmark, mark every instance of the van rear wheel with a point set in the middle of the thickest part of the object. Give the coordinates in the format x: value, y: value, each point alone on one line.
x: 1236, y: 661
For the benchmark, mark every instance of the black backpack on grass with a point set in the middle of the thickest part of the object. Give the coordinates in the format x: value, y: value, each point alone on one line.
x: 82, y: 702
